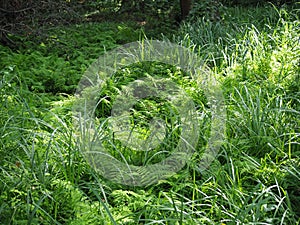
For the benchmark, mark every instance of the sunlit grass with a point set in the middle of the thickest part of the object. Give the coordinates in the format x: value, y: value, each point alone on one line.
x: 255, y: 179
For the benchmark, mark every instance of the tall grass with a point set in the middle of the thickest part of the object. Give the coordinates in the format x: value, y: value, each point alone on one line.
x: 254, y: 180
x: 258, y: 61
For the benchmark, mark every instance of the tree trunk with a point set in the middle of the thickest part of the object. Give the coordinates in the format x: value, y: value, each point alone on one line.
x: 185, y: 6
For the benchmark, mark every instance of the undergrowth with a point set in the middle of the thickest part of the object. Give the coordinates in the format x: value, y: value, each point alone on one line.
x: 254, y: 180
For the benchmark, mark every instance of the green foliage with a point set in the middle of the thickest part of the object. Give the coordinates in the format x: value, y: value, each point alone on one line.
x: 148, y: 108
x: 211, y: 10
x: 70, y: 49
x: 257, y: 2
x: 255, y: 179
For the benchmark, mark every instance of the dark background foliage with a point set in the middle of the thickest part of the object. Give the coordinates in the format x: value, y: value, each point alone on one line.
x: 21, y: 19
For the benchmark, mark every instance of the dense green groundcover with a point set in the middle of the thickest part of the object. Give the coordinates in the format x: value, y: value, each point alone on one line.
x: 255, y: 179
